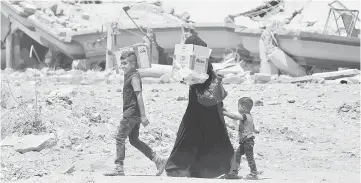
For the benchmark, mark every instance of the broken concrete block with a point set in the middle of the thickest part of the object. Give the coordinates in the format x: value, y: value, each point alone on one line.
x: 355, y: 80
x: 234, y: 79
x: 8, y: 70
x: 49, y: 12
x: 85, y: 16
x: 28, y: 8
x: 54, y: 8
x: 327, y: 75
x: 20, y: 11
x: 149, y: 80
x: 34, y: 143
x: 9, y: 141
x: 63, y: 32
x: 337, y: 74
x: 15, y: 1
x: 62, y: 20
x: 66, y: 168
x: 165, y: 78
x: 170, y: 11
x: 46, y: 19
x: 262, y: 77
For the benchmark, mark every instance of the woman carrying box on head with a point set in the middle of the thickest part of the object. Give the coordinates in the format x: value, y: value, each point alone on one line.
x: 202, y: 147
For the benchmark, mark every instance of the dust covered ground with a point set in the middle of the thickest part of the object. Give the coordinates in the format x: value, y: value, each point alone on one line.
x: 309, y: 132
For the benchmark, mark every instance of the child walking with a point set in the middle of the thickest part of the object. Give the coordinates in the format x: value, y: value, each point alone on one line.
x: 133, y: 115
x: 246, y: 133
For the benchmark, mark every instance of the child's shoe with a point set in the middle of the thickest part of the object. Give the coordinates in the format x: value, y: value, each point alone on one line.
x: 232, y: 175
x: 160, y: 162
x: 118, y: 171
x: 252, y: 176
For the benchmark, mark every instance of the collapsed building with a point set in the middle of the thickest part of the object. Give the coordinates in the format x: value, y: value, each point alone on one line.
x: 63, y: 31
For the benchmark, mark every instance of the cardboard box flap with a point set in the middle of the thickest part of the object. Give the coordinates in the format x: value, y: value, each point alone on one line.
x: 201, y: 51
x: 183, y: 49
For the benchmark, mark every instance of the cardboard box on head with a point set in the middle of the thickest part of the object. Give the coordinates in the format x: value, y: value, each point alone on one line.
x: 193, y: 57
x: 142, y: 52
x: 190, y: 63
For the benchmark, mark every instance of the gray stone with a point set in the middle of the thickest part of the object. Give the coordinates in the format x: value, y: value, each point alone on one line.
x: 85, y: 16
x: 34, y: 143
x: 67, y: 168
x: 10, y: 141
x: 291, y: 101
x: 262, y: 78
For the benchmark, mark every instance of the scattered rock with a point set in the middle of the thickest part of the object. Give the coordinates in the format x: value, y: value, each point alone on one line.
x: 67, y: 168
x: 170, y: 11
x: 8, y: 70
x: 49, y: 12
x: 258, y: 103
x: 85, y: 16
x: 344, y: 108
x: 291, y: 101
x: 301, y: 85
x: 355, y: 79
x: 262, y: 78
x: 284, y: 130
x: 54, y: 8
x: 119, y: 90
x: 95, y: 118
x: 34, y: 143
x: 64, y: 32
x: 16, y: 83
x: 318, y: 80
x: 166, y: 78
x: 154, y: 90
x: 28, y: 8
x: 234, y: 79
x: 273, y: 103
x: 181, y: 98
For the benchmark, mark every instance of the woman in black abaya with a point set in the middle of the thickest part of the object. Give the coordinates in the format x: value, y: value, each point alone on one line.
x: 202, y: 147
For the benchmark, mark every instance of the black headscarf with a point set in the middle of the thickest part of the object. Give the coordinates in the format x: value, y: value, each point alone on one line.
x: 195, y: 40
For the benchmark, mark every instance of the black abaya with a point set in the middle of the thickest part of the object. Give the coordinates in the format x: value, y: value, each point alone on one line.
x: 202, y: 145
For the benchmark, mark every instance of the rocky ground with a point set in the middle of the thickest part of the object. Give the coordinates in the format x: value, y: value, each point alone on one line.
x: 309, y: 132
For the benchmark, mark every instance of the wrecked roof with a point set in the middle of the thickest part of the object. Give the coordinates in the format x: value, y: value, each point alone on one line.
x: 312, y: 18
x: 67, y: 17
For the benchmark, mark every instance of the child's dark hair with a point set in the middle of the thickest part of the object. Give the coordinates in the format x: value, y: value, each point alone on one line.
x: 247, y: 102
x: 127, y: 54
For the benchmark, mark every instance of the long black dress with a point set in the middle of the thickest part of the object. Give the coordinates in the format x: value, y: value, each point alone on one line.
x: 202, y: 146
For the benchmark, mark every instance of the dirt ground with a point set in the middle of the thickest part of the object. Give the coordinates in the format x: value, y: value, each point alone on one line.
x: 316, y: 138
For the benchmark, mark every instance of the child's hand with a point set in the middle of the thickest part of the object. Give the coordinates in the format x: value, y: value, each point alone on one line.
x: 145, y: 121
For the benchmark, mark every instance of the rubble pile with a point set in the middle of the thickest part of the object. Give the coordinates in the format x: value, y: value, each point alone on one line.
x: 231, y: 76
x: 68, y: 17
x: 309, y: 16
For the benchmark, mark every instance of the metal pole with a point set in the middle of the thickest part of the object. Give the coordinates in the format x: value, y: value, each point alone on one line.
x: 328, y: 18
x: 338, y: 28
x: 125, y: 10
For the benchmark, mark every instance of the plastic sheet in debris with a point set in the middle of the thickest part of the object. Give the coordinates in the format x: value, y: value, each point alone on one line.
x: 187, y: 75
